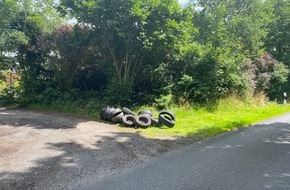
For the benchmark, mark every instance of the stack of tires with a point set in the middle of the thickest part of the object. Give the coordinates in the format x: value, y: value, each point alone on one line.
x: 143, y: 119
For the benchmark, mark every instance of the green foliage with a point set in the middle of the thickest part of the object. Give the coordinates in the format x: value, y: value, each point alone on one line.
x: 133, y: 37
x: 25, y: 29
x: 278, y: 83
x: 145, y: 51
x: 183, y: 90
x: 267, y: 75
x: 87, y: 109
x: 237, y: 25
x: 74, y: 56
x: 118, y: 92
x: 53, y: 96
x: 278, y: 38
x: 164, y: 101
x: 232, y: 32
x: 280, y: 74
x: 277, y: 43
x: 9, y: 93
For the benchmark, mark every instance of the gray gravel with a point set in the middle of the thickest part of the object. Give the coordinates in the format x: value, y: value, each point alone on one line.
x: 52, y: 151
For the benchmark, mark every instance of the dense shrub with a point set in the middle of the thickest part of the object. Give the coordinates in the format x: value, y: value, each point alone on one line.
x: 267, y: 75
x: 10, y: 94
x: 118, y: 92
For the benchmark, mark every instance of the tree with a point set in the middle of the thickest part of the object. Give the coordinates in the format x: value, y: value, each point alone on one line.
x: 278, y: 44
x: 232, y: 32
x: 238, y: 25
x: 278, y: 39
x: 133, y: 37
x: 8, y: 10
x: 26, y: 27
x: 73, y: 53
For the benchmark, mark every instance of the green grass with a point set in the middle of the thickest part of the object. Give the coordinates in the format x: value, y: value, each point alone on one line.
x: 201, y: 122
x: 227, y: 115
x: 88, y: 110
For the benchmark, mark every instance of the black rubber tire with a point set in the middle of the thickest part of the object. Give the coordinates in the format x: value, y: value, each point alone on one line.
x: 166, y: 120
x: 155, y: 122
x: 168, y: 112
x: 114, y: 113
x: 102, y: 114
x: 129, y: 120
x: 108, y: 110
x: 148, y: 112
x: 118, y: 117
x: 143, y: 120
x: 127, y: 111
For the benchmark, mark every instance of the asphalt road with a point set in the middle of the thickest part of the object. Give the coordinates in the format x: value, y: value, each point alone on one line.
x: 250, y: 158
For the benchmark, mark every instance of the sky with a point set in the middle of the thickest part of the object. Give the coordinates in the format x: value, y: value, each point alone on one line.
x: 183, y: 2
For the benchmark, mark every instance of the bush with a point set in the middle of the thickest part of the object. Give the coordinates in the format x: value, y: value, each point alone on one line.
x: 9, y: 93
x: 278, y: 83
x: 267, y: 75
x: 184, y: 90
x: 51, y: 95
x: 118, y: 92
x: 164, y: 101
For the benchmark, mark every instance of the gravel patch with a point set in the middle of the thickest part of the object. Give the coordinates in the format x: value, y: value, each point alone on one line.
x: 53, y: 151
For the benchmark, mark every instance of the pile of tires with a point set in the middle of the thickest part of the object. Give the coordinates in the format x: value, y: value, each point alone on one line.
x: 143, y: 119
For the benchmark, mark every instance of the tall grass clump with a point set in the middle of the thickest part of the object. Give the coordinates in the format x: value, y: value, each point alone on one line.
x: 225, y: 115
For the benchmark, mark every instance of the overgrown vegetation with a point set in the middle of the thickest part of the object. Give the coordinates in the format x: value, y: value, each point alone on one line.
x: 199, y: 121
x: 143, y: 52
x: 226, y: 115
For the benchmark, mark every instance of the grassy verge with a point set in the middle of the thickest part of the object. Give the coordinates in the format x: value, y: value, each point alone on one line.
x: 202, y: 122
x: 89, y: 110
x: 228, y: 115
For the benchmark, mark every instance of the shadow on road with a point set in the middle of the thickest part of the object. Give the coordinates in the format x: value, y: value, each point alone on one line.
x: 77, y: 165
x: 274, y: 140
x: 39, y: 151
x: 70, y: 163
x: 20, y: 118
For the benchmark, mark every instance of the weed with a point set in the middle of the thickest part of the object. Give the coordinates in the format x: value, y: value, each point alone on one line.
x: 228, y: 114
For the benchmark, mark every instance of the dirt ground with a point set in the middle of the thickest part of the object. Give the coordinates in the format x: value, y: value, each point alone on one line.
x: 52, y: 151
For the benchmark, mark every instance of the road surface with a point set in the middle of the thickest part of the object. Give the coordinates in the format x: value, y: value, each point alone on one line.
x: 250, y: 158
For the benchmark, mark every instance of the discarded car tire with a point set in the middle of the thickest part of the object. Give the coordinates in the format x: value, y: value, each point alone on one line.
x: 148, y: 112
x: 114, y: 113
x: 109, y: 115
x: 129, y: 120
x: 168, y: 112
x: 127, y: 111
x: 118, y: 117
x: 166, y: 120
x: 102, y: 113
x: 107, y: 112
x: 155, y: 122
x: 143, y: 120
